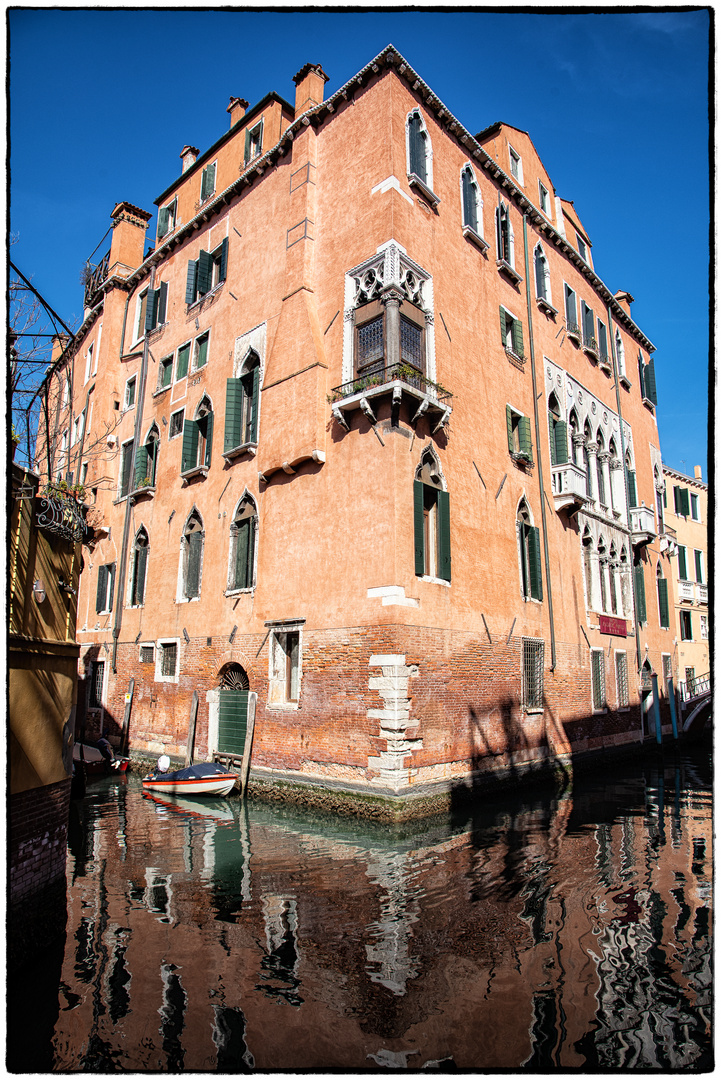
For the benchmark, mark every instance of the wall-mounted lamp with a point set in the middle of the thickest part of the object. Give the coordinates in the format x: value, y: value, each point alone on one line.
x: 38, y: 591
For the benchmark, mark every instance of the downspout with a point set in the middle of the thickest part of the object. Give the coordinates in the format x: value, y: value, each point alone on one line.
x: 538, y: 446
x: 625, y: 484
x: 129, y: 501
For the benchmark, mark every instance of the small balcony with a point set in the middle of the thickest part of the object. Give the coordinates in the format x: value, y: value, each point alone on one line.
x: 569, y: 486
x: 686, y: 591
x: 574, y: 331
x: 397, y: 381
x: 643, y: 524
x: 702, y: 594
x: 94, y: 276
x: 590, y: 347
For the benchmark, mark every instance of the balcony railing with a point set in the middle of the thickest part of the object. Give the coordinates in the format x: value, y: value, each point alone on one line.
x: 60, y: 510
x: 702, y: 594
x: 573, y: 330
x: 94, y: 276
x: 396, y: 380
x: 686, y: 590
x: 643, y: 524
x: 590, y: 346
x: 569, y: 485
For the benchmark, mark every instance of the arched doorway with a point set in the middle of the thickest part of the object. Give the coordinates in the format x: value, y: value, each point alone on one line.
x: 233, y: 694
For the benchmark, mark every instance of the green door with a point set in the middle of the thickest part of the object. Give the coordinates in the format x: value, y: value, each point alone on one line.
x: 233, y: 721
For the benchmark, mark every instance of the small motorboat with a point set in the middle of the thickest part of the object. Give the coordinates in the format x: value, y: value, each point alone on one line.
x: 98, y: 761
x: 206, y: 778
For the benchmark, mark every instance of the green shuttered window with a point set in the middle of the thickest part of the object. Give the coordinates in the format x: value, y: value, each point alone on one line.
x: 518, y: 430
x: 432, y: 531
x: 559, y: 440
x: 681, y: 503
x: 192, y: 577
x: 470, y: 208
x: 663, y: 613
x: 241, y: 410
x: 640, y: 591
x: 417, y: 147
x: 531, y: 567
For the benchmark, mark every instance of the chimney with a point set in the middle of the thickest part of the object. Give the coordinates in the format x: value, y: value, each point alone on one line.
x: 188, y: 155
x: 697, y: 472
x: 625, y: 300
x: 309, y: 86
x: 126, y: 247
x: 237, y: 108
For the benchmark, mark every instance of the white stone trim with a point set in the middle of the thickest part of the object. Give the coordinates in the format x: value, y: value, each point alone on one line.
x: 391, y: 183
x: 394, y: 719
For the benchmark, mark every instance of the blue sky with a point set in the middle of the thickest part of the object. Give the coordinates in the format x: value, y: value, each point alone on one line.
x: 101, y: 103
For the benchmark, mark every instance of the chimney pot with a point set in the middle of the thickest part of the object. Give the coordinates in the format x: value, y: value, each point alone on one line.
x: 309, y: 87
x: 697, y: 472
x: 236, y: 109
x: 625, y: 300
x: 188, y: 156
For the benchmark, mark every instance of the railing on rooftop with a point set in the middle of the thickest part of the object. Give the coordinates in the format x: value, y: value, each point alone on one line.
x: 93, y: 277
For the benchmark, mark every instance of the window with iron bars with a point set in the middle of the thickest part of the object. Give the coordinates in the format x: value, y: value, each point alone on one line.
x: 622, y: 680
x: 169, y: 659
x: 147, y: 654
x: 598, y: 680
x: 96, y: 684
x: 533, y: 654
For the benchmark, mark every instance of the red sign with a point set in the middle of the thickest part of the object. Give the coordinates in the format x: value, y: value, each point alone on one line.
x: 608, y: 625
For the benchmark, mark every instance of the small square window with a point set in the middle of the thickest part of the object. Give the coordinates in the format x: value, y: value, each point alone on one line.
x: 176, y: 424
x: 166, y: 660
x: 147, y: 654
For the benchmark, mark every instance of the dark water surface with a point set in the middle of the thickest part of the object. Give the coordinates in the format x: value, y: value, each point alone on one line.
x: 546, y: 932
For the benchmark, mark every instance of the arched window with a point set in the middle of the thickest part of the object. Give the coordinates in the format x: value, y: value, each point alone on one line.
x: 631, y: 479
x: 431, y: 520
x: 620, y: 356
x: 599, y: 468
x: 659, y: 485
x: 602, y: 571
x: 420, y: 153
x: 574, y: 429
x: 241, y: 407
x: 543, y: 278
x: 557, y: 432
x: 243, y: 533
x: 192, y: 557
x: 662, y: 589
x: 613, y: 474
x: 587, y: 458
x: 233, y: 677
x: 613, y: 592
x: 588, y: 568
x: 472, y: 203
x: 504, y: 234
x: 529, y: 550
x: 146, y: 460
x: 138, y: 568
x: 198, y: 440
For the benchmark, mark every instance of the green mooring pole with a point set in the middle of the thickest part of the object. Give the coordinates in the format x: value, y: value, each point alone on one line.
x: 672, y: 703
x: 656, y: 707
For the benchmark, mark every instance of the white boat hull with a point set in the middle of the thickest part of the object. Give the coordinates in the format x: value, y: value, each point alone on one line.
x: 210, y: 785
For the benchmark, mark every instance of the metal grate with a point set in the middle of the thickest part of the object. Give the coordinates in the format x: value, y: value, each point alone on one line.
x: 96, y: 684
x: 533, y: 654
x: 411, y: 343
x: 147, y: 654
x: 169, y: 659
x: 598, y: 679
x: 370, y: 343
x: 622, y: 680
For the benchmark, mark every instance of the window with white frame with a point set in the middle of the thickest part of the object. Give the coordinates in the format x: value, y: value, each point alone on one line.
x: 182, y: 361
x: 243, y: 534
x: 663, y: 606
x: 532, y: 674
x: 518, y: 429
x: 207, y: 181
x: 543, y: 277
x: 505, y: 244
x: 140, y: 313
x: 200, y: 351
x: 598, y: 680
x: 511, y: 333
x: 621, y: 359
x: 694, y: 507
x: 126, y: 460
x: 138, y: 568
x: 206, y: 272
x: 571, y: 311
x: 130, y: 391
x: 602, y: 339
x: 686, y: 626
x: 516, y: 165
x: 420, y: 156
x: 78, y: 428
x: 285, y: 665
x: 89, y: 362
x: 588, y: 321
x: 703, y: 625
x: 431, y: 520
x: 191, y: 557
x: 543, y: 199
x: 166, y: 218
x: 582, y: 248
x: 666, y: 669
x: 176, y: 424
x: 106, y: 584
x: 698, y: 566
x: 622, y: 698
x: 165, y: 372
x: 472, y: 206
x: 166, y: 660
x: 529, y: 551
x: 198, y: 440
x: 253, y: 142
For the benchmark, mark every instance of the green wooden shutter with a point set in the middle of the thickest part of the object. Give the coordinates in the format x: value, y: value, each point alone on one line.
x: 631, y: 487
x: 524, y: 437
x: 444, y: 536
x: 503, y: 326
x: 102, y: 589
x: 190, y: 445
x: 111, y: 590
x: 682, y: 564
x: 191, y: 283
x: 182, y: 365
x: 192, y: 578
x: 202, y: 355
x: 208, y: 439
x: 683, y: 502
x: 420, y: 562
x: 151, y: 310
x: 141, y: 465
x: 141, y: 559
x: 253, y: 407
x: 676, y: 491
x: 640, y: 588
x: 127, y: 462
x: 416, y: 144
x: 650, y: 380
x: 163, y: 221
x: 232, y: 723
x: 241, y: 554
x: 205, y: 272
x: 246, y: 152
x: 663, y: 619
x: 535, y: 571
x: 509, y: 429
x: 560, y: 442
x: 223, y: 270
x: 517, y: 336
x: 152, y: 450
x: 698, y: 559
x: 207, y: 181
x: 234, y: 394
x: 162, y: 302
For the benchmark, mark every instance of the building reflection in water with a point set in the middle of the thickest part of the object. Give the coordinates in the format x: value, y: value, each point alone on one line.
x: 566, y: 932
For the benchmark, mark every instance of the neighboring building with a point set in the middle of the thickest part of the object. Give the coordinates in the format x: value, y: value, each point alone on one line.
x: 382, y: 449
x: 685, y: 512
x: 45, y: 535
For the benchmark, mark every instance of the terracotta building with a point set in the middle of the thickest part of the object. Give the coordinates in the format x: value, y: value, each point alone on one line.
x: 381, y: 450
x: 685, y: 514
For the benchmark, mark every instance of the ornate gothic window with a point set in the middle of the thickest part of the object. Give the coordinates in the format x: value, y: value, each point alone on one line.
x: 243, y: 534
x: 431, y: 517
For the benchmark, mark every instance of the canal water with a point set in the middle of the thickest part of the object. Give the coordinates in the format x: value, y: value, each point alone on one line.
x: 553, y: 930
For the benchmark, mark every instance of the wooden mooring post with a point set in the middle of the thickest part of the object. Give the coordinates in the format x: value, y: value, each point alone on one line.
x: 125, y: 730
x: 247, y: 746
x: 191, y: 730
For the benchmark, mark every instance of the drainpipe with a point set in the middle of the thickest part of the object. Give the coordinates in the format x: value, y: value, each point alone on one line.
x: 538, y: 447
x: 129, y: 501
x: 625, y: 483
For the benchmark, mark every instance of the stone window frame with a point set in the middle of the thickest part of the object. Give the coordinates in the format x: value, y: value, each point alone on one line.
x: 277, y: 678
x: 159, y: 646
x: 231, y: 590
